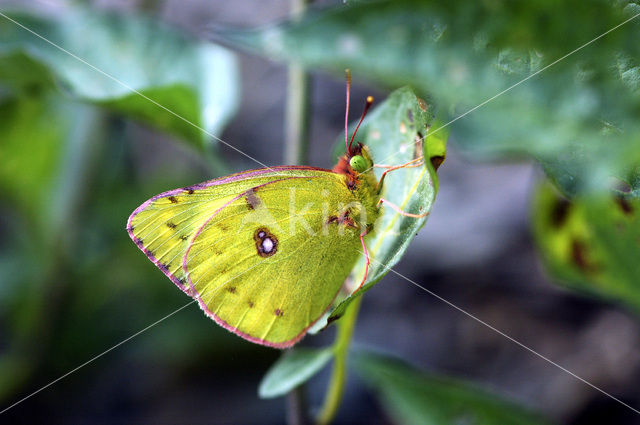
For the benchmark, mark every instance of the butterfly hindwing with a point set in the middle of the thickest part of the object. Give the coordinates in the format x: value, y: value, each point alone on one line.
x: 270, y: 262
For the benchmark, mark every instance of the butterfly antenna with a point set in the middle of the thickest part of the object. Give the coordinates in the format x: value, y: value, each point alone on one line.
x: 367, y: 105
x: 346, y: 114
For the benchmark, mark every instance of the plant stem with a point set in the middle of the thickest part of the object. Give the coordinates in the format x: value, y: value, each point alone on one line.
x: 333, y: 398
x: 298, y: 105
x: 296, y: 407
x: 295, y: 153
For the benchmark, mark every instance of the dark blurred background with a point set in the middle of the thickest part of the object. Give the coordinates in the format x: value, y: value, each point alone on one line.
x: 476, y: 251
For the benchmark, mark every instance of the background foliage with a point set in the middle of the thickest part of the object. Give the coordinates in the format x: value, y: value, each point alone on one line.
x: 79, y: 151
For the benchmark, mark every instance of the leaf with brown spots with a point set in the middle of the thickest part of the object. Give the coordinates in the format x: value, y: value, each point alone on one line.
x: 591, y: 243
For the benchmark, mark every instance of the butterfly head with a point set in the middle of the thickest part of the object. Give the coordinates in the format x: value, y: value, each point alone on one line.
x: 360, y: 159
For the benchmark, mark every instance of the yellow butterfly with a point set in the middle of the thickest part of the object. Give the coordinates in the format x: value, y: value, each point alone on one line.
x: 265, y: 252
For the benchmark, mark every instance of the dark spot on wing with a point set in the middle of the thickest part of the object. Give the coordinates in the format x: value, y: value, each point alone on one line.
x: 251, y: 304
x: 253, y: 201
x: 130, y: 228
x: 231, y: 289
x: 138, y: 242
x: 149, y: 253
x: 343, y: 219
x: 191, y: 189
x: 184, y: 237
x: 559, y: 212
x: 173, y: 199
x: 624, y: 205
x: 164, y: 267
x: 278, y: 312
x: 171, y: 225
x: 266, y: 242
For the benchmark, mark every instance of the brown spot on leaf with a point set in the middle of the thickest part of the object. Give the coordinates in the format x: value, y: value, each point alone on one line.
x: 278, y: 312
x: 579, y: 256
x: 436, y: 161
x: 559, y: 212
x: 333, y: 318
x: 422, y: 104
x: 173, y: 199
x: 624, y: 205
x: 417, y: 148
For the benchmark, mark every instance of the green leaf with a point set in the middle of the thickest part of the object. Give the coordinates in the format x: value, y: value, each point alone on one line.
x: 578, y: 117
x: 591, y: 243
x: 394, y: 133
x: 34, y: 133
x: 411, y: 396
x: 292, y: 369
x: 194, y: 80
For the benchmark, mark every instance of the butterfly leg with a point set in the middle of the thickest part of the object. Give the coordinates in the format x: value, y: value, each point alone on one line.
x: 413, y: 163
x: 399, y: 211
x: 418, y: 162
x: 366, y: 256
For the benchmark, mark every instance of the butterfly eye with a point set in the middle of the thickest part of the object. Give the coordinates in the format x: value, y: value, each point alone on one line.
x: 358, y: 163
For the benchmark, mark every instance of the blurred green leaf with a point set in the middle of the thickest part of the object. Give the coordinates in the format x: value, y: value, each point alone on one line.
x: 579, y: 118
x: 591, y: 243
x: 292, y: 369
x: 34, y: 132
x: 194, y: 80
x: 393, y: 131
x: 411, y: 396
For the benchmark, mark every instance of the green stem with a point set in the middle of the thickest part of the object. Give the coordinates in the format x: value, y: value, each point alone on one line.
x: 295, y: 153
x: 333, y: 398
x: 298, y: 105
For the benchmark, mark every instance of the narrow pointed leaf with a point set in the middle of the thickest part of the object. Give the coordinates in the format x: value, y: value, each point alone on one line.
x: 396, y: 133
x: 292, y: 369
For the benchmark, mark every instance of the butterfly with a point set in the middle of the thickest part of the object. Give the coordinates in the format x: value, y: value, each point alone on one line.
x: 265, y: 252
